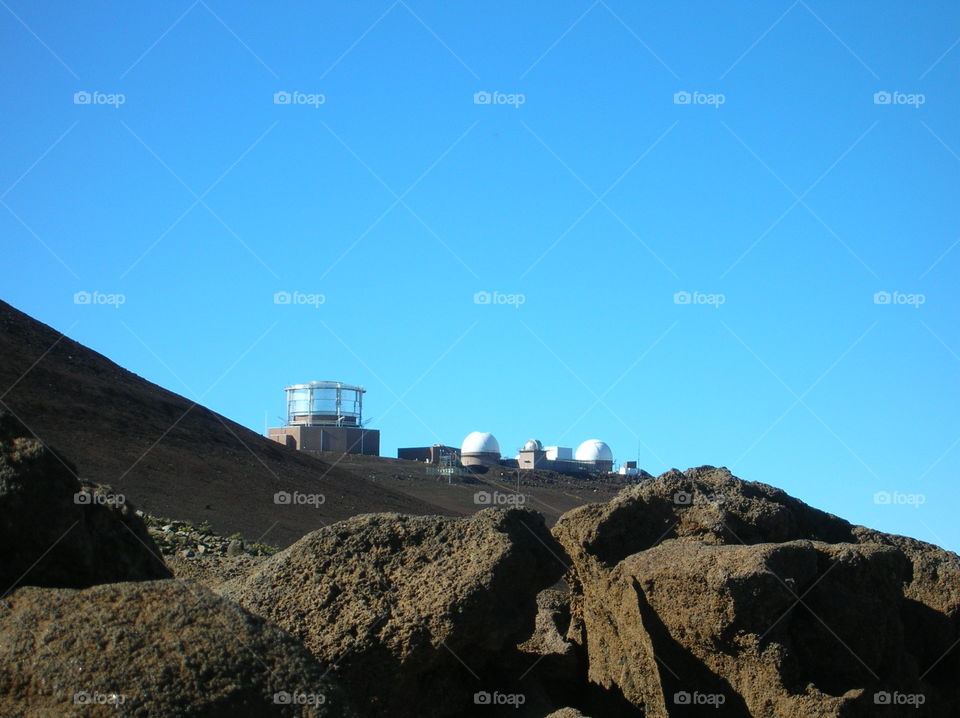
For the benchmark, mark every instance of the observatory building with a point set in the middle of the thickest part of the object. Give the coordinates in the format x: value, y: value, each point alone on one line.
x: 326, y: 416
x: 592, y: 456
x: 438, y: 454
x: 597, y: 453
x: 479, y: 449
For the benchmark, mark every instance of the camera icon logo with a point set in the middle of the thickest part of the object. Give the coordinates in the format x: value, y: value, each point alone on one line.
x: 882, y: 98
x: 281, y: 98
x: 682, y: 98
x: 82, y: 498
x: 683, y: 498
x: 482, y: 498
x: 82, y: 97
x: 482, y: 297
x: 281, y: 698
x: 282, y: 498
x: 881, y: 298
x: 281, y: 298
x: 882, y: 698
x: 482, y: 98
x: 81, y: 298
x: 881, y: 497
x: 482, y: 698
x: 681, y: 698
x: 681, y: 298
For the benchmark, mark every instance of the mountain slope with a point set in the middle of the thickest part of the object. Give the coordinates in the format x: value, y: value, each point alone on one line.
x: 165, y: 453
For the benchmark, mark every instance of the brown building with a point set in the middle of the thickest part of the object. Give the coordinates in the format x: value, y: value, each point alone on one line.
x: 342, y: 439
x: 436, y: 454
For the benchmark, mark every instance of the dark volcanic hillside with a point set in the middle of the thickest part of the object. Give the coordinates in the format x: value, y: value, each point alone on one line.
x: 163, y: 452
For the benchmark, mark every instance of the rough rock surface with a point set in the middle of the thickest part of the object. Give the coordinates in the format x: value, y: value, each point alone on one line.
x: 697, y: 584
x: 212, y: 571
x: 155, y: 648
x: 550, y: 629
x: 58, y: 531
x: 411, y: 611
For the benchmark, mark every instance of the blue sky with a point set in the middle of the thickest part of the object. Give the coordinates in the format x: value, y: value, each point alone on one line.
x: 779, y: 200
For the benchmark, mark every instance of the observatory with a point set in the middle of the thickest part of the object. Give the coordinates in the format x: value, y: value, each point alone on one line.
x: 326, y: 416
x: 592, y: 456
x: 324, y: 403
x: 480, y: 449
x: 596, y: 452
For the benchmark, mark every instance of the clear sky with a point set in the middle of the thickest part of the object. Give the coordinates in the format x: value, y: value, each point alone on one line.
x: 781, y: 193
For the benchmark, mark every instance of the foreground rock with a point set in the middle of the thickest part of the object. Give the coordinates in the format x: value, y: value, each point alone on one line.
x: 697, y: 591
x: 58, y: 531
x: 411, y: 611
x: 158, y: 648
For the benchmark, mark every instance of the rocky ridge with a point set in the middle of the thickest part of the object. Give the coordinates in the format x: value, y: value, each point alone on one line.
x: 691, y: 593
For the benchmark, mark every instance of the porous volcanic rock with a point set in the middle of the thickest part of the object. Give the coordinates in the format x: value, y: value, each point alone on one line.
x: 58, y: 531
x: 549, y: 633
x: 699, y: 584
x: 790, y: 629
x: 411, y: 611
x: 154, y: 648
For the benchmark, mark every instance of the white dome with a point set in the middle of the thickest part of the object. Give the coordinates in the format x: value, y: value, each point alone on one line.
x: 478, y: 442
x: 593, y: 450
x: 533, y: 445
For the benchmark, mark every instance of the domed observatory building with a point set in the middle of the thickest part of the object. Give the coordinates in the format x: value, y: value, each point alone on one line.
x: 532, y: 455
x: 479, y: 449
x: 595, y: 456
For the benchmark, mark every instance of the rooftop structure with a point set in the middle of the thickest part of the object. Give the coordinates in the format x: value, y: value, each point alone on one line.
x: 326, y: 416
x: 324, y: 403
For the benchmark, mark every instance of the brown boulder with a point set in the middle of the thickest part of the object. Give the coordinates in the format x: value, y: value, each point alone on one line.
x: 704, y: 570
x: 705, y: 504
x: 412, y: 611
x: 156, y: 648
x: 792, y: 629
x: 57, y: 531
